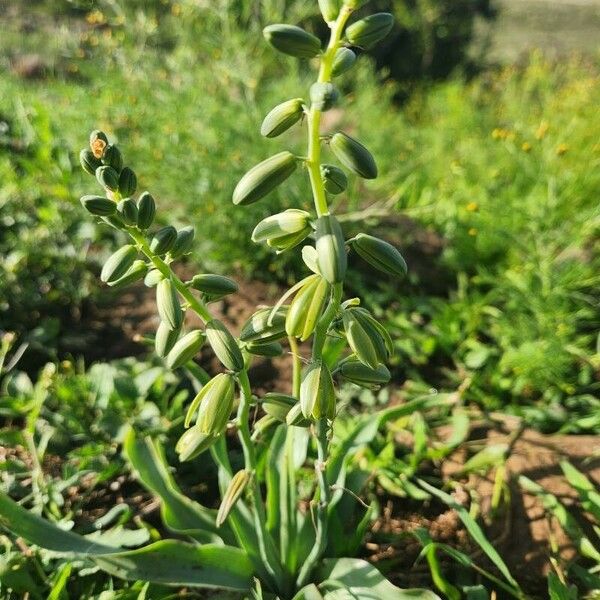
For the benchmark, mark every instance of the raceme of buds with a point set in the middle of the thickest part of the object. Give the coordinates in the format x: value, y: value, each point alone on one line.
x: 214, y: 403
x: 234, y: 490
x: 353, y: 155
x: 224, y: 345
x: 264, y: 178
x: 379, y: 254
x: 317, y: 395
x: 292, y: 40
x: 282, y: 117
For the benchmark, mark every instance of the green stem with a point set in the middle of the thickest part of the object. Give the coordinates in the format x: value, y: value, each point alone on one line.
x: 266, y: 546
x: 296, y: 366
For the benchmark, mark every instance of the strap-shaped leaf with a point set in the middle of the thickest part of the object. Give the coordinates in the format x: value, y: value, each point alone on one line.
x: 179, y: 513
x: 352, y: 578
x: 169, y: 562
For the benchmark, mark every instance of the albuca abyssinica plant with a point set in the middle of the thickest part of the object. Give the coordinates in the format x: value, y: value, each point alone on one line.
x: 258, y: 544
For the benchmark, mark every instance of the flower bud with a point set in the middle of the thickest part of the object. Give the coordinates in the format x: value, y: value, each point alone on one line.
x: 98, y: 142
x: 364, y: 376
x: 264, y: 178
x: 137, y: 270
x: 167, y: 302
x: 331, y: 249
x: 370, y: 30
x: 128, y: 211
x: 185, y: 349
x: 89, y: 162
x: 366, y: 342
x: 278, y: 405
x: 193, y: 442
x: 224, y: 345
x: 343, y: 61
x: 317, y: 395
x: 292, y: 40
x: 163, y: 240
x: 268, y: 350
x: 112, y: 157
x: 165, y: 339
x: 379, y: 254
x: 334, y: 179
x: 98, y: 205
x: 353, y: 155
x: 295, y: 417
x: 118, y: 263
x: 307, y: 307
x: 153, y: 277
x: 289, y: 222
x: 215, y: 286
x: 282, y: 117
x: 127, y: 182
x: 232, y: 494
x: 214, y: 403
x: 108, y: 178
x: 323, y: 96
x: 329, y: 9
x: 264, y: 327
x: 146, y: 210
x: 183, y: 242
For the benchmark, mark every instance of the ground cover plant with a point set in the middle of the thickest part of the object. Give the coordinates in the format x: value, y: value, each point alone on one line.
x: 254, y: 542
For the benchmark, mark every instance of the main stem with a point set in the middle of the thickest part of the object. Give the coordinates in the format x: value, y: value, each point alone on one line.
x: 322, y: 208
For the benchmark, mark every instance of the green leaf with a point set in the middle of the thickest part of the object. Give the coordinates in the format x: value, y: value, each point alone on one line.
x: 310, y: 592
x: 180, y: 514
x: 491, y: 456
x: 474, y: 530
x: 558, y: 590
x: 169, y: 562
x: 59, y: 591
x: 588, y: 492
x: 353, y: 578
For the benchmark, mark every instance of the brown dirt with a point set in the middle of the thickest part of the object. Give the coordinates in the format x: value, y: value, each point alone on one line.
x: 521, y: 531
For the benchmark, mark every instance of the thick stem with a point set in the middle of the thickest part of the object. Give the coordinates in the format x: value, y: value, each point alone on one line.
x: 296, y: 366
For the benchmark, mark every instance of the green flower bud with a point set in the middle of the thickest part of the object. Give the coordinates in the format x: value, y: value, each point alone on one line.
x: 295, y: 418
x: 307, y: 307
x: 353, y: 155
x: 163, y: 240
x: 364, y: 376
x: 282, y: 117
x: 127, y: 182
x: 128, y: 211
x: 334, y: 179
x: 153, y: 277
x: 264, y: 178
x: 380, y: 338
x: 137, y: 270
x: 330, y: 9
x: 234, y: 490
x: 185, y: 349
x: 112, y: 157
x: 98, y: 142
x: 165, y: 339
x: 331, y: 249
x: 183, y: 242
x: 343, y: 61
x: 264, y: 328
x: 224, y: 345
x: 261, y: 426
x: 214, y: 403
x: 167, y: 302
x: 146, y: 210
x: 193, y: 443
x: 268, y: 350
x: 108, y: 178
x: 363, y: 341
x: 278, y: 405
x: 215, y: 286
x: 118, y: 263
x: 323, y: 96
x: 317, y: 395
x: 379, y: 254
x: 370, y: 30
x: 292, y: 40
x: 310, y: 256
x: 281, y: 225
x: 89, y: 162
x: 98, y: 205
x: 286, y: 242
